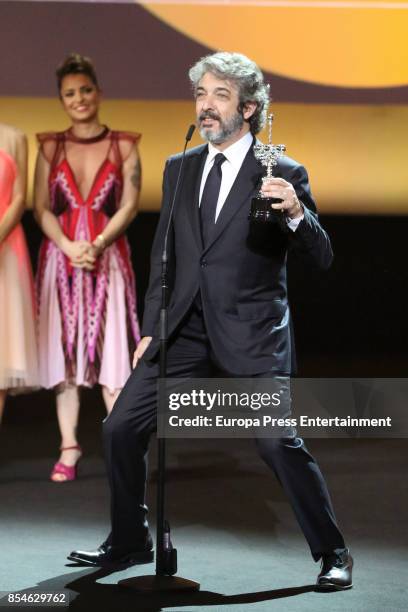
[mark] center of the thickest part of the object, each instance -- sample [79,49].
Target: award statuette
[268,155]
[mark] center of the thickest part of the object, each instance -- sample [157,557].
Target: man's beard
[226,128]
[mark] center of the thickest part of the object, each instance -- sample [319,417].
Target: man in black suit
[228,308]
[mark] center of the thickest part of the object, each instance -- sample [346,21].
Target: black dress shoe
[336,572]
[107,555]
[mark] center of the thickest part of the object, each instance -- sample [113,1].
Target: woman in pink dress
[18,351]
[87,186]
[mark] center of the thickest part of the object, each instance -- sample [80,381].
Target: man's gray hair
[245,74]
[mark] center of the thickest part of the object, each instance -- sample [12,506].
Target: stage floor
[233,528]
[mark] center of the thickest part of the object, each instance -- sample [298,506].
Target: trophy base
[262,212]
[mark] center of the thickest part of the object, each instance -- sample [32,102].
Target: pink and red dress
[18,344]
[88,325]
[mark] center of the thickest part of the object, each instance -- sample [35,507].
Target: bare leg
[3,394]
[67,414]
[110,398]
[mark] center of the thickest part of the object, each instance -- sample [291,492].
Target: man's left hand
[279,188]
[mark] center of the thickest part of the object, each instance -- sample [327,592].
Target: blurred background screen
[338,71]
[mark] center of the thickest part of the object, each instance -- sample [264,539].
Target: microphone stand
[166,556]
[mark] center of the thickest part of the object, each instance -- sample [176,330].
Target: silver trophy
[269,155]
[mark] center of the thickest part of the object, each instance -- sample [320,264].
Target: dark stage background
[349,321]
[244,547]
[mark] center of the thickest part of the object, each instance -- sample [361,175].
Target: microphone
[166,554]
[189,134]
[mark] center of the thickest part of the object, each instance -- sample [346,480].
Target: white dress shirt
[235,155]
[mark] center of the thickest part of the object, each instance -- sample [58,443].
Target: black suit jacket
[241,273]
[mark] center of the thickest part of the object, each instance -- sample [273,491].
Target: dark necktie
[209,198]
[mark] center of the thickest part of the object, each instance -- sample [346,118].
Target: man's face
[218,118]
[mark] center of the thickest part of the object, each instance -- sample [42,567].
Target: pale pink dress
[18,347]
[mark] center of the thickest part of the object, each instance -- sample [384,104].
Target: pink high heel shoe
[69,471]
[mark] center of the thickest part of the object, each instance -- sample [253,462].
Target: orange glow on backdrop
[346,43]
[354,168]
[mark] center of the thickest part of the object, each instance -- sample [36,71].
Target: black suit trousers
[128,428]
